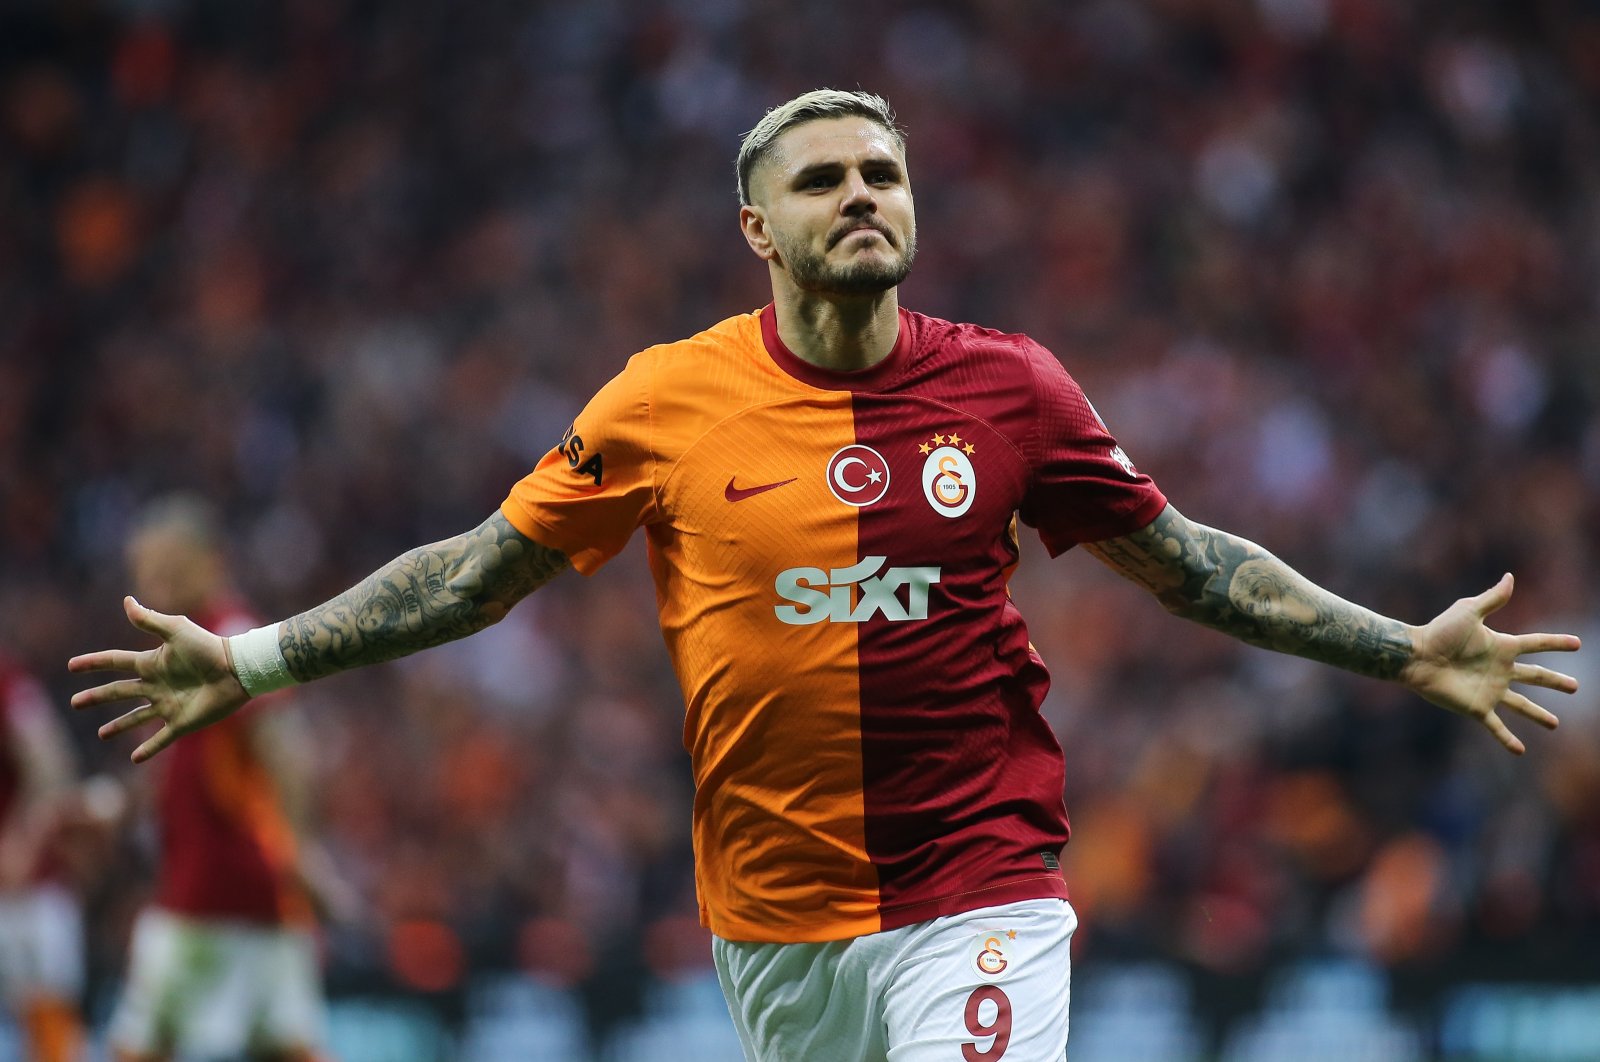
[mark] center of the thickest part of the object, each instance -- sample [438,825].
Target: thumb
[1494,598]
[149,620]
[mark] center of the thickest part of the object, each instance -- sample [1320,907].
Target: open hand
[1463,665]
[187,680]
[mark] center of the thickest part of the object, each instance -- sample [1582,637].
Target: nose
[858,195]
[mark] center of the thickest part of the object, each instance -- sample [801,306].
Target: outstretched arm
[425,597]
[429,596]
[1233,585]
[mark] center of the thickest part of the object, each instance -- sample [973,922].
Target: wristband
[259,662]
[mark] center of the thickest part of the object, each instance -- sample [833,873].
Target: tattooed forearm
[431,595]
[1233,585]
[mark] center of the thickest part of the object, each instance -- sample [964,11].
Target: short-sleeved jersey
[831,553]
[227,849]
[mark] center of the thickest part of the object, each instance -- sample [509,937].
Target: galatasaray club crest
[948,479]
[995,952]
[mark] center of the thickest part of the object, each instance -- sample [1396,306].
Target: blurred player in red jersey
[41,927]
[830,489]
[223,963]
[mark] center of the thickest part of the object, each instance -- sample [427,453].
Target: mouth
[860,227]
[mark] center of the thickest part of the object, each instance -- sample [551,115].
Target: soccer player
[223,963]
[829,488]
[41,923]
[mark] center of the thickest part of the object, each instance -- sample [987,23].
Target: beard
[812,272]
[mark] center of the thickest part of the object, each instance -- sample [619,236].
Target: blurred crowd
[1328,268]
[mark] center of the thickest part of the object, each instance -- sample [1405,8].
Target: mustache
[857,224]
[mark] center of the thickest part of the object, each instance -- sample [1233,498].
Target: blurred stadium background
[1327,267]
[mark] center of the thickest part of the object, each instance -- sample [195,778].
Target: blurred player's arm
[1234,586]
[281,742]
[46,773]
[425,597]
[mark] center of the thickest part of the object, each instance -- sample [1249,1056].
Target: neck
[839,333]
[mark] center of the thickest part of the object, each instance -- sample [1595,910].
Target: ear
[753,223]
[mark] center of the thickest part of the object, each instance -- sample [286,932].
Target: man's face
[171,573]
[834,200]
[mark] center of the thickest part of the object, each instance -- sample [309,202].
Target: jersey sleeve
[1082,487]
[588,494]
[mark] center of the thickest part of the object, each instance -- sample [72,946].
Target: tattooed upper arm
[1166,557]
[1235,586]
[427,596]
[500,565]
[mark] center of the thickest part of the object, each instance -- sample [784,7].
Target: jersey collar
[869,379]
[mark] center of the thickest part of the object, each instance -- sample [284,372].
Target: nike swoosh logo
[736,494]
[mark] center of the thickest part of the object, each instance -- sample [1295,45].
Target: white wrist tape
[259,662]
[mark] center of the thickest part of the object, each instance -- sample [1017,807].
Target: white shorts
[218,989]
[41,944]
[984,986]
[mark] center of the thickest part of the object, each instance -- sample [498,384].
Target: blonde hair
[818,103]
[184,512]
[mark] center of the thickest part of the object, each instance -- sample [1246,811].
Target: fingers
[1547,643]
[138,717]
[1494,598]
[106,660]
[1516,702]
[1534,675]
[158,741]
[145,619]
[1503,734]
[120,690]
[149,620]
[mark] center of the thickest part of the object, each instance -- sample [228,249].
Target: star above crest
[947,439]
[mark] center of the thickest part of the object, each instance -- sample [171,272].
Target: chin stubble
[811,272]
